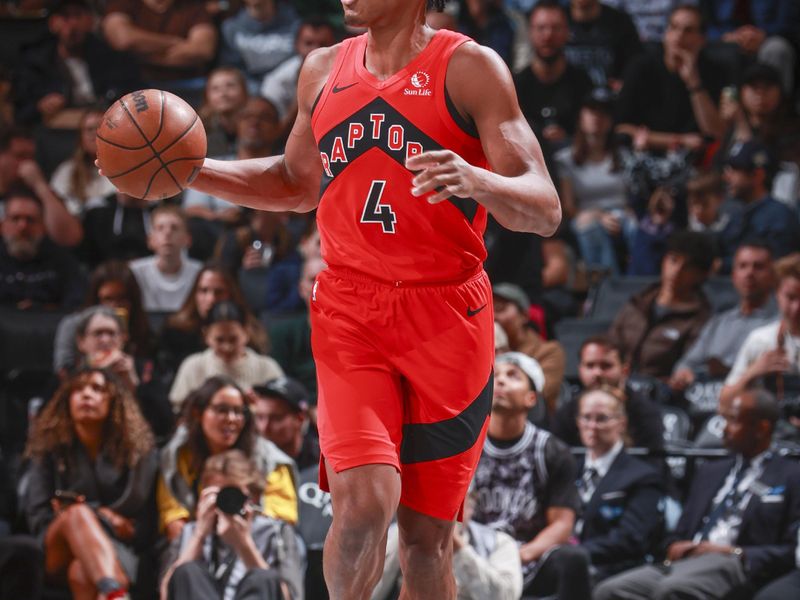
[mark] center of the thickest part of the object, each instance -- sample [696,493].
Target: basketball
[151,144]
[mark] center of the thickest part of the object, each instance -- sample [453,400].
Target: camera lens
[230,500]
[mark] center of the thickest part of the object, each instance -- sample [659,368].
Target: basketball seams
[139,122]
[155,152]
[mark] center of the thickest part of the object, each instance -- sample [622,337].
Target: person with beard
[748,174]
[667,101]
[550,89]
[34,272]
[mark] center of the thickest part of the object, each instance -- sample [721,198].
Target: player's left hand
[443,172]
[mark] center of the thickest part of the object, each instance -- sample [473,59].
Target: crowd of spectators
[158,391]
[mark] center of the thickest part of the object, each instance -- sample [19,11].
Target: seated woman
[77,180]
[111,284]
[216,418]
[101,337]
[92,478]
[593,186]
[225,333]
[261,554]
[182,334]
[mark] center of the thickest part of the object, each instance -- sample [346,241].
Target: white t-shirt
[759,341]
[97,188]
[596,185]
[160,292]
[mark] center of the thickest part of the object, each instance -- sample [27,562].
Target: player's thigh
[448,380]
[360,395]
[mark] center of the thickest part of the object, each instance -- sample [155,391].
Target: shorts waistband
[353,275]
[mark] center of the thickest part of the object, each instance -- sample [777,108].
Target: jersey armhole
[324,92]
[467,125]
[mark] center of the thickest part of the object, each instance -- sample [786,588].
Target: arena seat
[612,293]
[571,333]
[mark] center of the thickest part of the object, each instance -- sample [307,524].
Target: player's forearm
[527,203]
[260,183]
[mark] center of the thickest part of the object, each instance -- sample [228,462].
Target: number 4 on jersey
[375,212]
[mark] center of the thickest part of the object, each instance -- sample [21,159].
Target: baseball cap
[513,293]
[528,365]
[761,73]
[601,98]
[749,155]
[287,389]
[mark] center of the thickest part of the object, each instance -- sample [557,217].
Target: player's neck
[507,427]
[391,48]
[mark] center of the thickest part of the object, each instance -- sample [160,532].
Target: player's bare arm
[518,190]
[278,183]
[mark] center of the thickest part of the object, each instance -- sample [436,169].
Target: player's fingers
[435,183]
[428,159]
[426,175]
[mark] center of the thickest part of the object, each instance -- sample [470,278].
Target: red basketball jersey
[365,128]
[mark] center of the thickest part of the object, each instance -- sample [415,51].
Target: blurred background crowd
[157,388]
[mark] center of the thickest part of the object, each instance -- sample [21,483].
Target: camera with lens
[231,500]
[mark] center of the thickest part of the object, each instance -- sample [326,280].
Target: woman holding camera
[91,481]
[215,419]
[231,550]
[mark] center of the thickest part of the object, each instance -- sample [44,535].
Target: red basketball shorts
[405,379]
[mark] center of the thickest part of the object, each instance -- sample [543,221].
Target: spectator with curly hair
[92,477]
[215,419]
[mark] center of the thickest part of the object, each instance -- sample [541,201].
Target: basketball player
[405,138]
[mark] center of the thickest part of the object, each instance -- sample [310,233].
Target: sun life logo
[419,81]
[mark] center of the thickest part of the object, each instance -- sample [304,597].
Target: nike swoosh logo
[472,313]
[336,89]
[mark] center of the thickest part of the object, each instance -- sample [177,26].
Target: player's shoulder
[472,55]
[473,69]
[321,60]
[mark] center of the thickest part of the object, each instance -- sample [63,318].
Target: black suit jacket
[622,516]
[768,534]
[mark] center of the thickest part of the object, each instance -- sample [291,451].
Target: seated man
[280,410]
[748,175]
[70,70]
[739,523]
[174,40]
[713,353]
[525,485]
[550,88]
[770,354]
[619,493]
[602,363]
[657,325]
[18,168]
[668,101]
[34,272]
[511,310]
[166,278]
[602,40]
[259,38]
